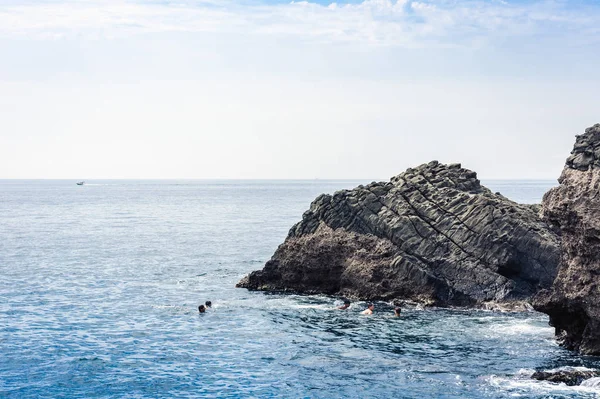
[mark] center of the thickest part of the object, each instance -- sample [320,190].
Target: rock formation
[569,376]
[432,234]
[573,303]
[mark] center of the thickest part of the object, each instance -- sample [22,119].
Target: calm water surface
[100,287]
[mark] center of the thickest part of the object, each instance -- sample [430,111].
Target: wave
[592,383]
[525,327]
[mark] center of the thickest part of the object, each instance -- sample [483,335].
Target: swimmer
[369,310]
[201,309]
[208,304]
[397,311]
[346,305]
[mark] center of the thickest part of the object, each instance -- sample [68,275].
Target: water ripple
[101,286]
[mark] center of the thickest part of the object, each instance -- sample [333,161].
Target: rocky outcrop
[573,303]
[570,376]
[432,234]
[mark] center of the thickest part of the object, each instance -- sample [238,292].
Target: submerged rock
[573,302]
[432,234]
[568,376]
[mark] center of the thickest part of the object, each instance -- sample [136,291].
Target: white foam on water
[525,373]
[314,306]
[592,383]
[569,368]
[526,328]
[520,328]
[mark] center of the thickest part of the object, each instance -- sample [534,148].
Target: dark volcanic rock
[573,303]
[570,377]
[586,151]
[431,234]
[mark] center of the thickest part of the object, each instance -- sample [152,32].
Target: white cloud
[384,22]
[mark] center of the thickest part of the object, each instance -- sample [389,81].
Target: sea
[100,286]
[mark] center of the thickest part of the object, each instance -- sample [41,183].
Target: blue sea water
[100,286]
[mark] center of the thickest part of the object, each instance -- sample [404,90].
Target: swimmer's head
[371,306]
[346,302]
[208,304]
[201,309]
[397,311]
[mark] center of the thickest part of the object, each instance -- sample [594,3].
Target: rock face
[432,234]
[573,303]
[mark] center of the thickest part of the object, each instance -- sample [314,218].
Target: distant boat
[80,183]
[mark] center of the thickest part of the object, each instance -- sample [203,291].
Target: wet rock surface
[569,377]
[573,207]
[432,234]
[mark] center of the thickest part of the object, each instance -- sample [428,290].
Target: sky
[261,89]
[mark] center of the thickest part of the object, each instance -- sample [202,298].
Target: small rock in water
[570,377]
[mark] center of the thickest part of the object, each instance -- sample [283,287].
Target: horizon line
[250,179]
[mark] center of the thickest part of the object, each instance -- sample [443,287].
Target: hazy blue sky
[273,89]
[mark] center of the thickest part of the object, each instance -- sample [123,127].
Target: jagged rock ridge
[573,303]
[432,234]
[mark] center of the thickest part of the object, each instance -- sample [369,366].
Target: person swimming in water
[397,311]
[201,309]
[208,304]
[369,310]
[346,305]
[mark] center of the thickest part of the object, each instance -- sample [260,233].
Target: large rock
[573,303]
[432,234]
